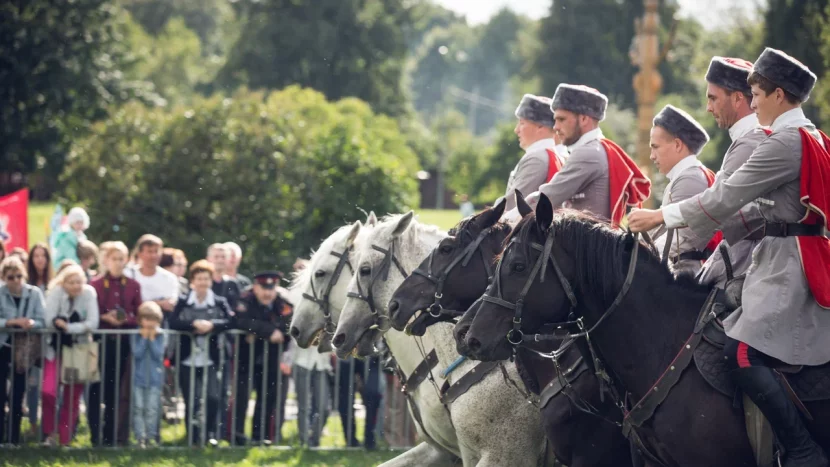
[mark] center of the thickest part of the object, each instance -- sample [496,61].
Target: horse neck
[417,244]
[408,351]
[540,369]
[640,340]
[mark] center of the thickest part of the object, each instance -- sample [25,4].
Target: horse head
[554,268]
[323,286]
[454,274]
[383,260]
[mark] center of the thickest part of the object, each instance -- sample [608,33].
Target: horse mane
[390,220]
[499,227]
[600,253]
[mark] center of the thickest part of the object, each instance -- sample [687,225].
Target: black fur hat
[682,126]
[536,109]
[581,100]
[786,72]
[730,73]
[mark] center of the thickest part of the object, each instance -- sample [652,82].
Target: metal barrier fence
[212,399]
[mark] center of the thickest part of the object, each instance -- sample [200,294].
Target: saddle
[803,383]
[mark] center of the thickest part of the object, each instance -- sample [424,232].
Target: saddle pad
[810,384]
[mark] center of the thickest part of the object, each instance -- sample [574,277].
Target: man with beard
[598,176]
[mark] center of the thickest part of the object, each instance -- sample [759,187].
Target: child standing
[148,355]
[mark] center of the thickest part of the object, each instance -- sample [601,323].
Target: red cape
[716,239]
[628,186]
[554,164]
[815,196]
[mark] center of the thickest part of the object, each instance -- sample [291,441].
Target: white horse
[440,447]
[495,424]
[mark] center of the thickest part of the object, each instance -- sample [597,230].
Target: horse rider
[786,293]
[676,140]
[543,156]
[728,97]
[598,176]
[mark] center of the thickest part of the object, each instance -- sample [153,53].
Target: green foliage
[62,67]
[499,160]
[339,47]
[276,173]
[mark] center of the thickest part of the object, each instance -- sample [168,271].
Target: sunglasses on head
[14,277]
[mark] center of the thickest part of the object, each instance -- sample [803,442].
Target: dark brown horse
[695,425]
[454,276]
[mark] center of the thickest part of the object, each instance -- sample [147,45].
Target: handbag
[26,347]
[79,363]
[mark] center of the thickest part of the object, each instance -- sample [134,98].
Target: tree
[356,48]
[275,173]
[61,67]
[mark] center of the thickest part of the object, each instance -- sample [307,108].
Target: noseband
[381,272]
[323,301]
[562,330]
[436,310]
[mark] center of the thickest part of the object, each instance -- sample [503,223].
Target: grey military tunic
[741,224]
[689,181]
[583,183]
[531,171]
[779,316]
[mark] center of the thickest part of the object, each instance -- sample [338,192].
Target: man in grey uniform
[728,100]
[785,296]
[543,156]
[597,176]
[676,139]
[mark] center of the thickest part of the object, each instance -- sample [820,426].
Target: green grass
[40,214]
[443,218]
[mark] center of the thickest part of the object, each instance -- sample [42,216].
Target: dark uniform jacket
[260,321]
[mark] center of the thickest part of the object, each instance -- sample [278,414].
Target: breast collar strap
[382,273]
[323,300]
[436,310]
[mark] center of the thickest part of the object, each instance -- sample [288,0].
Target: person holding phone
[118,299]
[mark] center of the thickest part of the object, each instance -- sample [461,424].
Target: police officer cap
[268,279]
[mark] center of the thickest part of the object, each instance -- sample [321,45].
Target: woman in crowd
[66,241]
[118,300]
[40,272]
[21,307]
[206,316]
[72,310]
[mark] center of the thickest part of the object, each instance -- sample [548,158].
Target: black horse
[638,317]
[463,264]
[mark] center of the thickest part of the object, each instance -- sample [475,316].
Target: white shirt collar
[209,299]
[793,118]
[743,126]
[592,135]
[546,143]
[685,163]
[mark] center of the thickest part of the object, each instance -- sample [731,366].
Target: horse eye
[365,270]
[445,249]
[319,273]
[518,267]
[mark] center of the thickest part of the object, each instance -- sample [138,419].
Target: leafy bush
[275,173]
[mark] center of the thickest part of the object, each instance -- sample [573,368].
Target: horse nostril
[295,333]
[393,306]
[473,344]
[339,339]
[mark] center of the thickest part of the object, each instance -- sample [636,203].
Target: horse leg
[424,454]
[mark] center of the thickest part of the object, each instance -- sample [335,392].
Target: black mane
[499,227]
[600,254]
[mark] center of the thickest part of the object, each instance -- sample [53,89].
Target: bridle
[381,272]
[323,300]
[436,310]
[562,330]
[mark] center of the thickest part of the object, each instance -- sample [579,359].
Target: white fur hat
[78,214]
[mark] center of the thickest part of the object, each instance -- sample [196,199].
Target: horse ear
[403,224]
[372,220]
[491,216]
[521,204]
[544,212]
[353,234]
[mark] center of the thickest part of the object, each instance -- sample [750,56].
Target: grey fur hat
[729,73]
[581,100]
[536,109]
[682,126]
[787,72]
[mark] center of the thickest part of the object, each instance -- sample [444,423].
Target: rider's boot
[761,385]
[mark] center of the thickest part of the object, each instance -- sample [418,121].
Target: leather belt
[782,229]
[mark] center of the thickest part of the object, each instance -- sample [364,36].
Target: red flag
[14,219]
